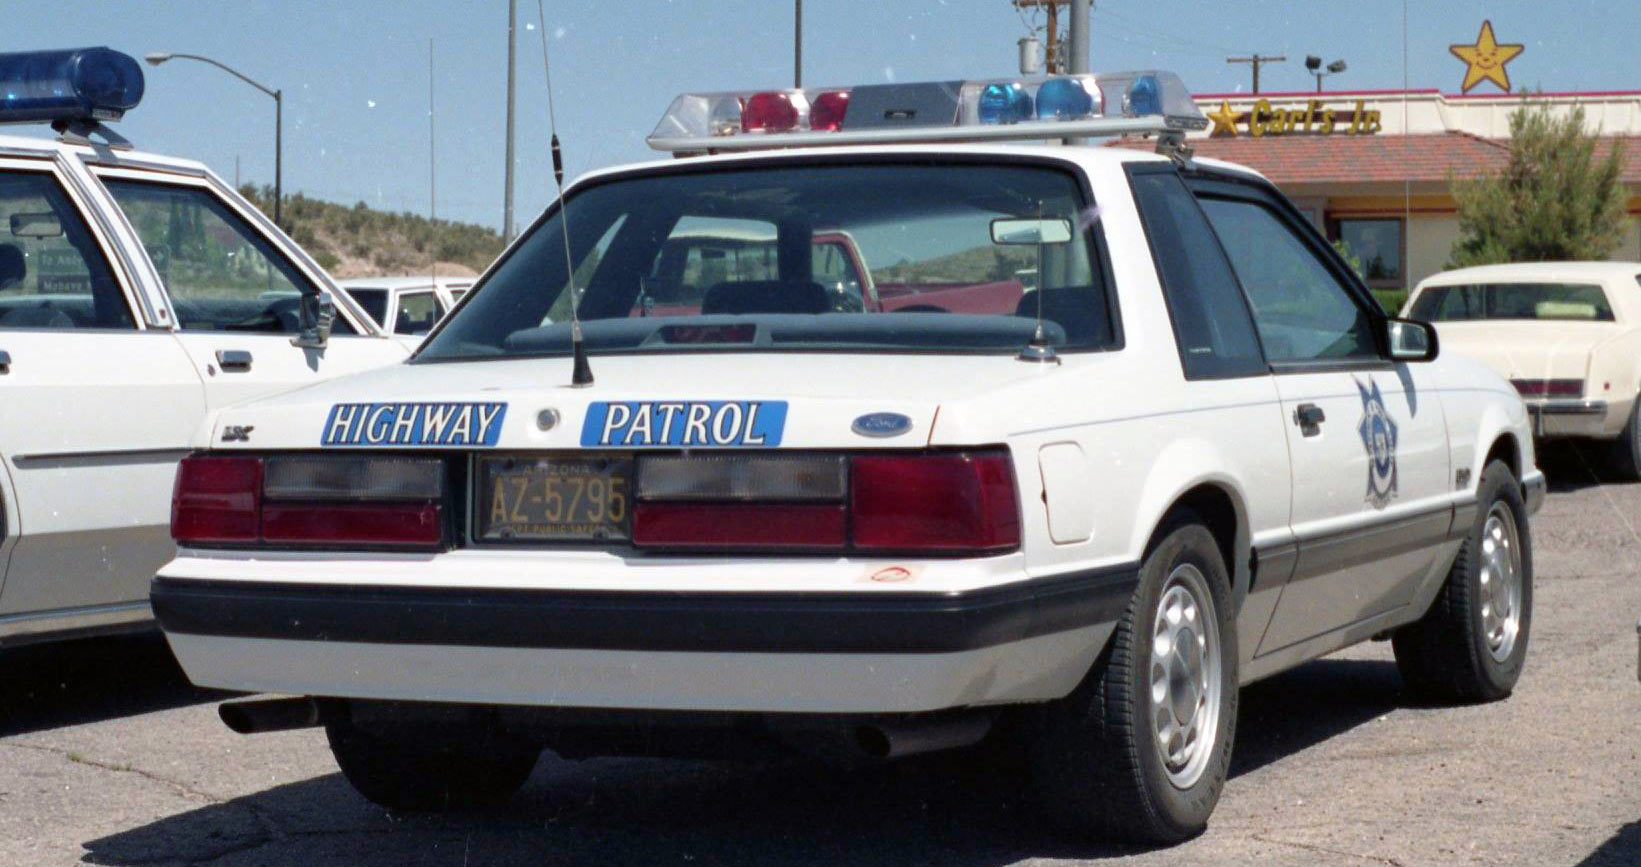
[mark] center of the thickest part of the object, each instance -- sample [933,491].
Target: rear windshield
[1559,301]
[844,257]
[374,301]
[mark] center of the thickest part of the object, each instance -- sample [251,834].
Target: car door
[235,289]
[1367,438]
[95,411]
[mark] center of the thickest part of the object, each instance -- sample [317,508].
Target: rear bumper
[1572,417]
[813,652]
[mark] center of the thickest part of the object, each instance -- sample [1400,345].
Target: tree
[1554,201]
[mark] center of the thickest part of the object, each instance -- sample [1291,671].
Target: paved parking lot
[107,756]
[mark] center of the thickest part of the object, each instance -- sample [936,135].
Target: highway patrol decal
[1378,432]
[413,424]
[685,423]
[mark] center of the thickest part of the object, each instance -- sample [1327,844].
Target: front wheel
[414,772]
[1140,750]
[1471,644]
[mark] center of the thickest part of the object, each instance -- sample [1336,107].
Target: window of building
[1377,245]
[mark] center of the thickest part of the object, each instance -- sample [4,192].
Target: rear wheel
[416,771]
[1625,455]
[1472,643]
[1141,749]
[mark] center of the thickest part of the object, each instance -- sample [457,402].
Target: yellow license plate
[553,499]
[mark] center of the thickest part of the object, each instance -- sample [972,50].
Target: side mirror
[1411,341]
[317,312]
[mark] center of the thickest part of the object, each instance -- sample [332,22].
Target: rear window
[1554,301]
[869,257]
[374,301]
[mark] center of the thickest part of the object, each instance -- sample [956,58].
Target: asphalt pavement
[108,756]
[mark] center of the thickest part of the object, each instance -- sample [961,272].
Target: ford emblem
[881,424]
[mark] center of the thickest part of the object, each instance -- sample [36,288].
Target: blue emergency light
[67,87]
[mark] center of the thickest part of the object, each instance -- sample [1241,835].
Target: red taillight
[934,503]
[395,524]
[769,112]
[217,499]
[826,112]
[809,527]
[1549,387]
[330,501]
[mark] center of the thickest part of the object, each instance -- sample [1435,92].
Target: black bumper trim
[799,622]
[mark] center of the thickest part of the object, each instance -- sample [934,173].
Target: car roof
[1095,154]
[1531,272]
[100,154]
[401,284]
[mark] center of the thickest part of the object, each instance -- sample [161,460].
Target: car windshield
[1557,301]
[886,257]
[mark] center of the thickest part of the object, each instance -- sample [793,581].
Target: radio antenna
[581,375]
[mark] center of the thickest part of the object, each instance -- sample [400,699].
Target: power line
[1257,61]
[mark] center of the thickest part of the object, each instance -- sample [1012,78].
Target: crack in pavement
[1324,850]
[271,832]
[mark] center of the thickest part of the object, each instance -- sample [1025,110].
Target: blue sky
[355,73]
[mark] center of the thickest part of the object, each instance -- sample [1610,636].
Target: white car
[1566,334]
[1192,455]
[137,293]
[407,306]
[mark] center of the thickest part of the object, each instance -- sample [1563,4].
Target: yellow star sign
[1486,59]
[1224,119]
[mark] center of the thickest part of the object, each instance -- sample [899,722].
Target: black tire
[1094,758]
[427,772]
[1445,656]
[1624,455]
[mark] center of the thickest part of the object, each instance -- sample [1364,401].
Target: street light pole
[155,59]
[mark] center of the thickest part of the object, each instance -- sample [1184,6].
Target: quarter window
[52,275]
[1216,338]
[1304,313]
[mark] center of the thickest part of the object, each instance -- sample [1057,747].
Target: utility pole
[1055,61]
[432,174]
[507,194]
[797,43]
[1257,61]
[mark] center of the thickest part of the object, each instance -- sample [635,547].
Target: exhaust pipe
[257,715]
[891,740]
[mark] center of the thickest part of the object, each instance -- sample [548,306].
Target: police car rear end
[640,497]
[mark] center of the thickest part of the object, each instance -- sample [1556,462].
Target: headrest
[1080,310]
[766,296]
[12,266]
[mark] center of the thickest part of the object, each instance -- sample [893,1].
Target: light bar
[1052,107]
[77,84]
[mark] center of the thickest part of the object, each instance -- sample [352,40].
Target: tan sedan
[1566,334]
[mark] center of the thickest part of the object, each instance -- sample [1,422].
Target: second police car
[1183,451]
[137,292]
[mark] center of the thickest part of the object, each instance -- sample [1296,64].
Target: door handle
[234,360]
[1309,417]
[5,362]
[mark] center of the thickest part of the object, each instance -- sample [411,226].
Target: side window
[220,273]
[1303,312]
[52,275]
[417,313]
[1211,323]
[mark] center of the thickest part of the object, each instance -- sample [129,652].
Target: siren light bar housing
[77,87]
[1052,107]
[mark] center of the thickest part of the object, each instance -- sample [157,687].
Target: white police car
[137,292]
[1137,438]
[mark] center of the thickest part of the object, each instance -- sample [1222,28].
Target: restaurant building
[1374,168]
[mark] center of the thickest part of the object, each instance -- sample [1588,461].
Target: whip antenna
[581,375]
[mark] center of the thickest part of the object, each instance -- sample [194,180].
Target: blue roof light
[1064,99]
[70,85]
[1004,103]
[1144,97]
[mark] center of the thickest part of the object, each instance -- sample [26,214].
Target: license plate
[553,499]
